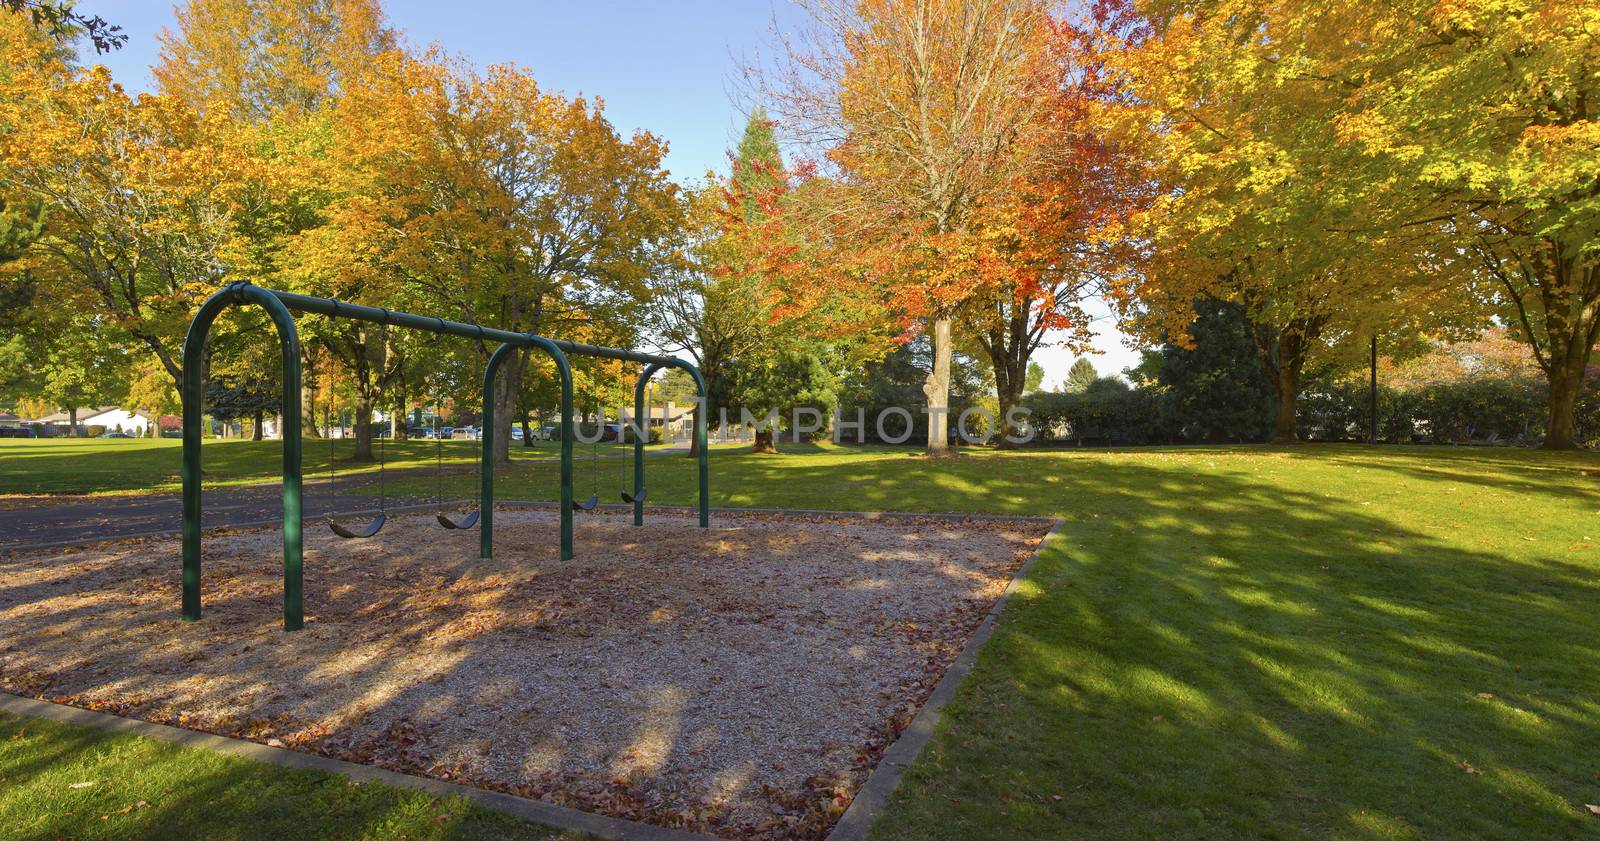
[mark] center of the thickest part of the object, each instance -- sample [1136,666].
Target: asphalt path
[32,520]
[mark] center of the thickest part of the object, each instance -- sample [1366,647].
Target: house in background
[112,418]
[8,420]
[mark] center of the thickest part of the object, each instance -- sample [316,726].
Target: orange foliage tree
[924,113]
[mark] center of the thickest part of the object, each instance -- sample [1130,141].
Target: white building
[114,418]
[110,417]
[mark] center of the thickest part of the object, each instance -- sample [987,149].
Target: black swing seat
[369,530]
[467,522]
[586,505]
[637,496]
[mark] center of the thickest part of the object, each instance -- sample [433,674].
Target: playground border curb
[548,814]
[881,784]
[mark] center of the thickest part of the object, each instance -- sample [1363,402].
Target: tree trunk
[363,425]
[937,389]
[255,432]
[1566,384]
[1284,428]
[308,407]
[764,441]
[506,387]
[527,432]
[1283,356]
[1287,358]
[72,421]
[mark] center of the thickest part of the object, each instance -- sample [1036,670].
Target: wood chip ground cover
[741,680]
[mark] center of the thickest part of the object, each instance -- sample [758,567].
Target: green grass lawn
[142,788]
[118,465]
[1241,642]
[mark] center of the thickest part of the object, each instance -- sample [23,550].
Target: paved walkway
[58,519]
[54,519]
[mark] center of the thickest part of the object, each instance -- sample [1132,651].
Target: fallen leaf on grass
[1465,766]
[83,784]
[125,810]
[1593,809]
[1487,696]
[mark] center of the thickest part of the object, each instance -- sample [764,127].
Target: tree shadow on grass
[148,789]
[1208,657]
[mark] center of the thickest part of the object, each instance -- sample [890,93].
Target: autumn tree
[480,195]
[925,110]
[716,305]
[1317,146]
[1261,204]
[262,61]
[273,72]
[137,195]
[1058,232]
[1483,116]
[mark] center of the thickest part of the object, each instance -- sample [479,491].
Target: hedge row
[1483,411]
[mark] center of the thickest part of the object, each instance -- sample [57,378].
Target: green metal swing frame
[281,306]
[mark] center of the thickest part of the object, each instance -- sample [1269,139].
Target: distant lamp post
[1372,396]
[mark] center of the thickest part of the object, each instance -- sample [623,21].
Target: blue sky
[666,66]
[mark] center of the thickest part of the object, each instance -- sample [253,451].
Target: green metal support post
[194,388]
[486,490]
[639,439]
[700,426]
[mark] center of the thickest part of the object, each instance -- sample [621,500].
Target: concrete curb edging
[874,794]
[538,811]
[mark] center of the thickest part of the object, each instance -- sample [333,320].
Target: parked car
[116,435]
[447,432]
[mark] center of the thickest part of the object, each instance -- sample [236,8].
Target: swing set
[280,306]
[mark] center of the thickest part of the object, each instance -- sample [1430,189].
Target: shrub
[1107,412]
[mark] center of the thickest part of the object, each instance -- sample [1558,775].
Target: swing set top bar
[279,306]
[380,315]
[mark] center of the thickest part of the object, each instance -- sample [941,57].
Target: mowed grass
[1310,641]
[64,781]
[1234,642]
[140,465]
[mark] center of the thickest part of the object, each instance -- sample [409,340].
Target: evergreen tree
[1080,376]
[1217,390]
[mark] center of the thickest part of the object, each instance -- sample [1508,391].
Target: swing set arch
[280,307]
